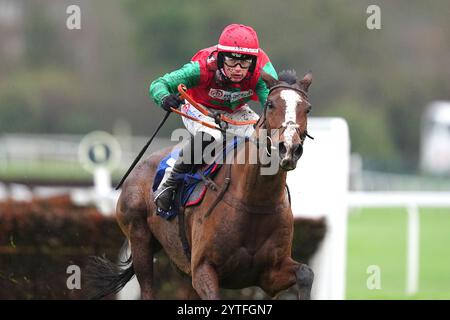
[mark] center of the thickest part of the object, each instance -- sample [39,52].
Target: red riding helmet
[239,41]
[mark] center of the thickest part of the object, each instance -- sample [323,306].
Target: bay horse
[245,241]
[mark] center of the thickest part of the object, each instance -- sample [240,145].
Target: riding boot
[165,194]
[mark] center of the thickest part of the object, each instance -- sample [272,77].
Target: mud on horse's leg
[205,281]
[305,278]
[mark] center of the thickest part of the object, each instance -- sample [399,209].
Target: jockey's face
[236,73]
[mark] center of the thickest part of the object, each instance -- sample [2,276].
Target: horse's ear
[268,79]
[305,82]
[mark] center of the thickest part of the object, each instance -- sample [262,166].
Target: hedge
[41,238]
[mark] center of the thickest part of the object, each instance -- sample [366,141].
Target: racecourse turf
[377,238]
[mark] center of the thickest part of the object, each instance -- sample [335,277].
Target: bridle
[236,203]
[284,125]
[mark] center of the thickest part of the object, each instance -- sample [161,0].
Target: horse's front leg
[205,281]
[287,274]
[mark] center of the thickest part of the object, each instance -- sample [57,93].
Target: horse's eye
[309,109]
[269,104]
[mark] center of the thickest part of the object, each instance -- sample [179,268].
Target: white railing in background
[32,151]
[368,180]
[411,201]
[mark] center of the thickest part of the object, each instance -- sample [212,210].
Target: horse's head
[286,109]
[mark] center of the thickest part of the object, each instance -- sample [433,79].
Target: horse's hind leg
[142,251]
[132,217]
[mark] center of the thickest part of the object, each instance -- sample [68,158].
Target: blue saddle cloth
[192,188]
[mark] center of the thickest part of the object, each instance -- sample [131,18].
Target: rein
[218,117]
[222,194]
[237,203]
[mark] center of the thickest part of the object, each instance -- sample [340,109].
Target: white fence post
[412,264]
[103,190]
[319,188]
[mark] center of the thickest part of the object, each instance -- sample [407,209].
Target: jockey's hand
[172,100]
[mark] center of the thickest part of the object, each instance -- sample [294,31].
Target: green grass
[435,254]
[378,237]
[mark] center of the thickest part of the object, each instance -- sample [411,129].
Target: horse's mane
[288,76]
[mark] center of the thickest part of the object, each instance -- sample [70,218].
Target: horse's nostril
[298,151]
[282,149]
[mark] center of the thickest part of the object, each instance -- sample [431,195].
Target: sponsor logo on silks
[229,96]
[186,109]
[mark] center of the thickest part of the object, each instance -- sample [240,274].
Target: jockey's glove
[172,100]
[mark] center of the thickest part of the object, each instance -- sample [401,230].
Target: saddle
[192,186]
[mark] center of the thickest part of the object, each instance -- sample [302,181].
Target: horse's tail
[104,277]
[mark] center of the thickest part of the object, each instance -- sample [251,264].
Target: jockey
[224,78]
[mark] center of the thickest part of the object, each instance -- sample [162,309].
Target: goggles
[233,62]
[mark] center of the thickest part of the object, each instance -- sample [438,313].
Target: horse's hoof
[305,278]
